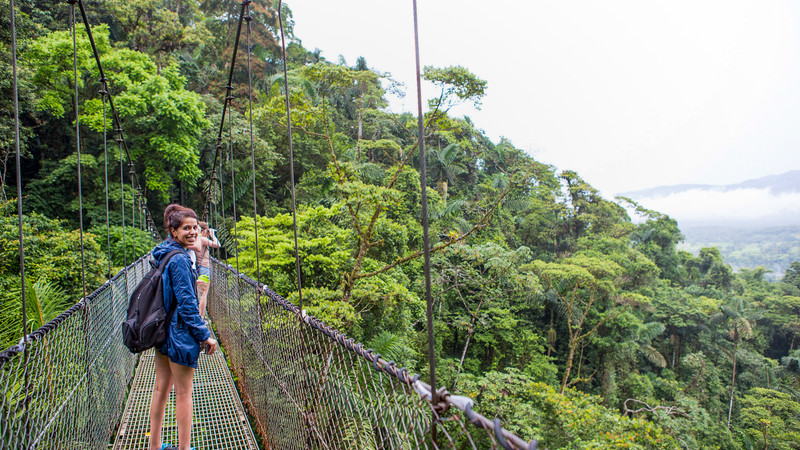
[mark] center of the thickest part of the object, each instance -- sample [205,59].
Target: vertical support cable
[26,358]
[122,200]
[425,241]
[298,268]
[291,159]
[233,183]
[104,92]
[222,200]
[248,18]
[86,309]
[140,196]
[133,208]
[78,140]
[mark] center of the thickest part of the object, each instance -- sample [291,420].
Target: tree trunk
[358,143]
[733,381]
[572,347]
[442,188]
[463,356]
[676,341]
[551,335]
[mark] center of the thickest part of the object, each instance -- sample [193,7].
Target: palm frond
[371,172]
[650,330]
[654,356]
[44,301]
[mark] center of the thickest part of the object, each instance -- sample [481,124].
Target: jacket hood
[165,247]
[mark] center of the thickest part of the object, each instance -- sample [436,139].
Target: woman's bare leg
[158,403]
[183,376]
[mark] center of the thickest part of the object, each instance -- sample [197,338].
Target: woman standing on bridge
[202,244]
[176,360]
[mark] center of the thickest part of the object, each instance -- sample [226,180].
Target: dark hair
[174,215]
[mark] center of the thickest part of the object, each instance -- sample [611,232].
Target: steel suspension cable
[233,187]
[122,198]
[229,89]
[123,144]
[425,237]
[291,159]
[248,18]
[78,140]
[84,300]
[298,267]
[105,158]
[26,355]
[133,207]
[222,200]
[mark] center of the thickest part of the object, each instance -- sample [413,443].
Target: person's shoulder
[180,258]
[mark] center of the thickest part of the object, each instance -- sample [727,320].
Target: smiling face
[185,234]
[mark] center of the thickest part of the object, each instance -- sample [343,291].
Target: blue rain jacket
[186,329]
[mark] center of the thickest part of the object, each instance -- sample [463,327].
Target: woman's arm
[198,245]
[212,241]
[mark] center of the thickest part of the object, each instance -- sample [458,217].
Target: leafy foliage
[552,307]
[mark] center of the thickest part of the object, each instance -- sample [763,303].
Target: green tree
[771,418]
[739,319]
[444,166]
[52,252]
[456,84]
[159,28]
[568,420]
[581,289]
[162,119]
[44,301]
[490,301]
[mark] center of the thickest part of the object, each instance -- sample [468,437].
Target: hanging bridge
[283,379]
[303,384]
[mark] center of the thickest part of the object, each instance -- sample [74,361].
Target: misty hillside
[753,223]
[747,248]
[777,184]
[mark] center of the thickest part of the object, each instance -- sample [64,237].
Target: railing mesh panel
[305,389]
[309,386]
[306,384]
[66,388]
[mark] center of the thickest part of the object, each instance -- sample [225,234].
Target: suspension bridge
[283,380]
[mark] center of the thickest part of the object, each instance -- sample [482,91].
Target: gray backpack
[147,321]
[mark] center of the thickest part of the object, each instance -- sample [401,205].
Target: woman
[176,360]
[205,241]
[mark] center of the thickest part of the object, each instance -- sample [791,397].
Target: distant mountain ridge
[778,184]
[758,227]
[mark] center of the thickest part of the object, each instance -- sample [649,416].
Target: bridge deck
[219,419]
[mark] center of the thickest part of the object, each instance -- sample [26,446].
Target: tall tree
[738,318]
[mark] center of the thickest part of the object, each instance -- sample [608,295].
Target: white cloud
[630,93]
[717,206]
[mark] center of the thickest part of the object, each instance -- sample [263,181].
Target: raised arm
[212,241]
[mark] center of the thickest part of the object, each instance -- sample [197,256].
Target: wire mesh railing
[65,388]
[309,386]
[306,384]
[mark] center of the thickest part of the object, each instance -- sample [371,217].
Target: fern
[44,301]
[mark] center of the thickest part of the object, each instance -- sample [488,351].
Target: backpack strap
[161,268]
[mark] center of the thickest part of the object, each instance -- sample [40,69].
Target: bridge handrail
[66,387]
[499,435]
[42,331]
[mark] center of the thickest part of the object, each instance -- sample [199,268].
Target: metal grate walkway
[219,420]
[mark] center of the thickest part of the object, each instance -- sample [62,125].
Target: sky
[630,94]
